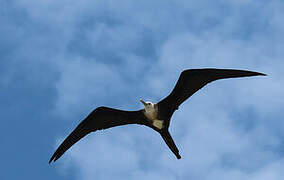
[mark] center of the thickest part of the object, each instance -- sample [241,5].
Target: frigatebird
[156,116]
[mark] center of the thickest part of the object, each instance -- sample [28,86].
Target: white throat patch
[151,112]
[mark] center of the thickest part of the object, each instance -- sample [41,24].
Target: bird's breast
[152,116]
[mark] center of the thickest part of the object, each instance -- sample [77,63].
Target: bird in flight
[155,115]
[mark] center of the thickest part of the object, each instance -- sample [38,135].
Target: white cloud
[86,83]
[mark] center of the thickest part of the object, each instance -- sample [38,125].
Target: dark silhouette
[156,116]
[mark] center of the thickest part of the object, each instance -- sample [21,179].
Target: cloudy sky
[61,59]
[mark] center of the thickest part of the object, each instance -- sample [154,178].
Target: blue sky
[61,59]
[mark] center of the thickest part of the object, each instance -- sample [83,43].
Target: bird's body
[156,116]
[151,113]
[151,110]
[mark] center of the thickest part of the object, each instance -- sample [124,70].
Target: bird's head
[148,105]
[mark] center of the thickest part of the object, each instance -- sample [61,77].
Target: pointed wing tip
[178,157]
[253,73]
[50,161]
[261,74]
[53,158]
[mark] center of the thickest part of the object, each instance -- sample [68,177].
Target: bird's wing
[192,80]
[100,118]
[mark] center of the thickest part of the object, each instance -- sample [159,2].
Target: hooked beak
[143,102]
